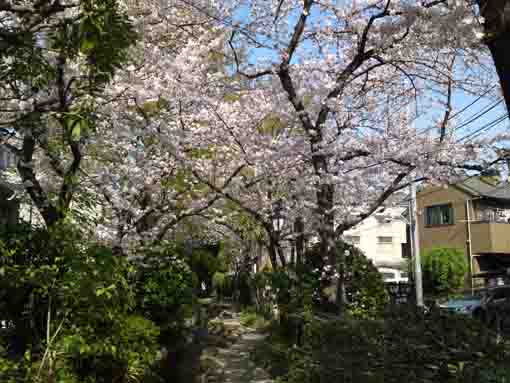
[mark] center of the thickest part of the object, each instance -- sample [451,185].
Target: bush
[250,318]
[403,346]
[205,261]
[84,292]
[125,354]
[365,291]
[444,270]
[164,284]
[222,284]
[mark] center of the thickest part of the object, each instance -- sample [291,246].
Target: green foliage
[404,346]
[272,125]
[365,291]
[366,294]
[70,307]
[165,284]
[444,270]
[103,34]
[97,30]
[126,352]
[222,284]
[205,261]
[250,318]
[219,280]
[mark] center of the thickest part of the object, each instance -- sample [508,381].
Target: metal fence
[400,292]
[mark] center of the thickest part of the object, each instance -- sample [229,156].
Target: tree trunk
[500,50]
[497,38]
[325,202]
[49,212]
[299,230]
[340,286]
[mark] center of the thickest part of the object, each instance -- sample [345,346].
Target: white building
[381,237]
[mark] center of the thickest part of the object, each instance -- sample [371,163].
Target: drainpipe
[468,246]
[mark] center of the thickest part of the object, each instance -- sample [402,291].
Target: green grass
[250,318]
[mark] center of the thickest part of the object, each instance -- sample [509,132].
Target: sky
[474,121]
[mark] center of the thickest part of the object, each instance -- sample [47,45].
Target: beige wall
[490,237]
[446,235]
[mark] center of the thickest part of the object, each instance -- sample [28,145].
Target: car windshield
[388,275]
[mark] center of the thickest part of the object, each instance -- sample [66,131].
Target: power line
[471,104]
[463,109]
[480,114]
[485,127]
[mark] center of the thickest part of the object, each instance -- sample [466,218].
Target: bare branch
[448,110]
[249,76]
[395,185]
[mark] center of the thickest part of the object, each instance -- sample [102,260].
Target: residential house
[382,237]
[473,215]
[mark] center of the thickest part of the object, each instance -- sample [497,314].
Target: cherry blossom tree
[55,60]
[317,111]
[347,90]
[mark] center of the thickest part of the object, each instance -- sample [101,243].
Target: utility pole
[415,240]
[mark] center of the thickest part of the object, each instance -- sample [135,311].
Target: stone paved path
[234,362]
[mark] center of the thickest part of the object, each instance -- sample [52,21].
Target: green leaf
[87,45]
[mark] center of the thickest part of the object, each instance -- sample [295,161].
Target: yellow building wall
[455,235]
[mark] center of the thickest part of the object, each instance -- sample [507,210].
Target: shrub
[404,346]
[365,291]
[82,292]
[251,318]
[444,270]
[164,284]
[205,261]
[123,355]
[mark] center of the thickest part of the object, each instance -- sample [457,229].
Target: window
[439,215]
[385,240]
[353,239]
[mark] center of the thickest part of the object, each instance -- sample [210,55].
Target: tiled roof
[479,188]
[475,186]
[501,192]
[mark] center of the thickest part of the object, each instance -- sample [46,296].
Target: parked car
[468,305]
[482,305]
[393,275]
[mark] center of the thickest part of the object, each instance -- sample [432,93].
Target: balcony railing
[493,215]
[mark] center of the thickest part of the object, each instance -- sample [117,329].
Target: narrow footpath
[230,362]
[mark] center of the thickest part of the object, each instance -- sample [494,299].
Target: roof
[477,187]
[500,192]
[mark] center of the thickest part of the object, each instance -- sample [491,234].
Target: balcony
[490,237]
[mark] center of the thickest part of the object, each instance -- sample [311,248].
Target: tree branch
[395,185]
